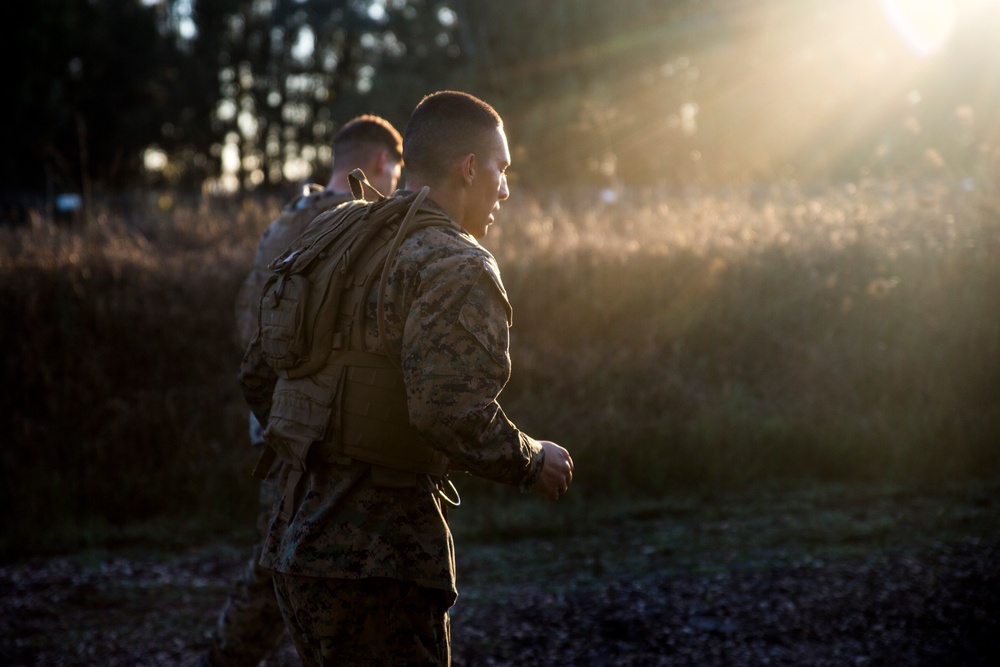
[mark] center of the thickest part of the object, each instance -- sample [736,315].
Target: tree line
[111,96]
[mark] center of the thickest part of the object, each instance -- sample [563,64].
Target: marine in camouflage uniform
[365,570]
[250,625]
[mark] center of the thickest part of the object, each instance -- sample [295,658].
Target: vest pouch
[301,412]
[375,425]
[283,340]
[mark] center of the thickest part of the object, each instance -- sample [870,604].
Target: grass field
[706,341]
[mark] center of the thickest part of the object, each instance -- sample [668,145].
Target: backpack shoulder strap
[405,227]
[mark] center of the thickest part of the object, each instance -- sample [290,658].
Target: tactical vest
[334,401]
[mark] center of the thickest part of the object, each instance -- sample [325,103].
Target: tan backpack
[294,218]
[301,316]
[311,332]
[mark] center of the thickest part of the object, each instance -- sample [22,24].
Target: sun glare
[923,25]
[806,85]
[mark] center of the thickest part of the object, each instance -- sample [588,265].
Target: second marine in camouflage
[250,626]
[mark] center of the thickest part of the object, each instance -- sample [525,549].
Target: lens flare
[924,25]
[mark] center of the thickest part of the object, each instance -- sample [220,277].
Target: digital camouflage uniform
[447,316]
[250,625]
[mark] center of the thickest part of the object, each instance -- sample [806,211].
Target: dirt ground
[894,580]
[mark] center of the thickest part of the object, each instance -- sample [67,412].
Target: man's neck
[446,198]
[339,183]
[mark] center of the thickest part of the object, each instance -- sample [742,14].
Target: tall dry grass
[715,339]
[731,338]
[120,402]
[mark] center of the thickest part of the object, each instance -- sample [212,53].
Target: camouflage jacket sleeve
[451,318]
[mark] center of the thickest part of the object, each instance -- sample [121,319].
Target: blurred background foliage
[112,96]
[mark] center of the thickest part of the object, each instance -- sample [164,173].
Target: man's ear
[469,166]
[381,160]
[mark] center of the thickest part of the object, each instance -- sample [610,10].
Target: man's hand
[557,472]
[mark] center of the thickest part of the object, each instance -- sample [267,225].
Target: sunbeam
[924,25]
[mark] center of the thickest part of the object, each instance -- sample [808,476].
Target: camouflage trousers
[365,622]
[250,626]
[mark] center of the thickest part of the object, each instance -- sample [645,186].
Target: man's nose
[504,190]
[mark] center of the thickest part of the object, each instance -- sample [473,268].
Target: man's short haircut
[366,133]
[446,125]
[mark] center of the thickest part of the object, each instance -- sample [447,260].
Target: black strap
[358,180]
[264,463]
